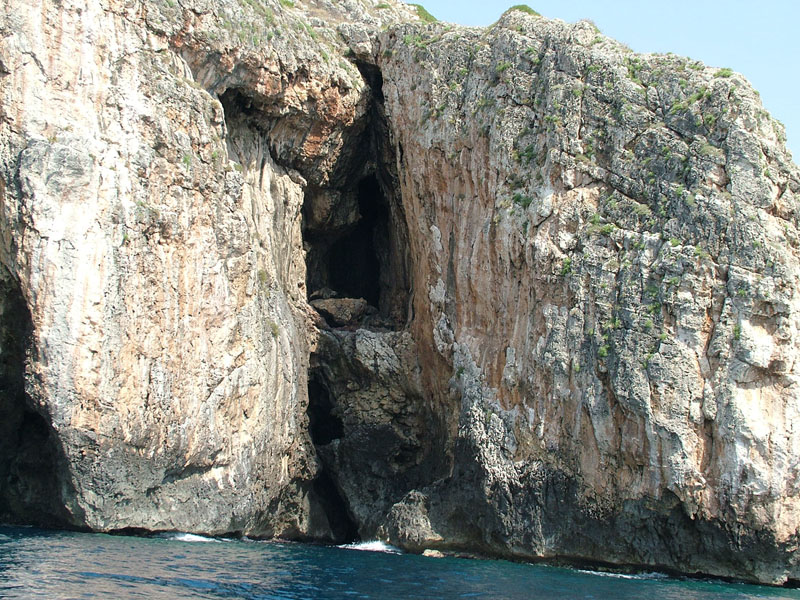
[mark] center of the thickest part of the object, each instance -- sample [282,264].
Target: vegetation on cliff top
[424,14]
[524,8]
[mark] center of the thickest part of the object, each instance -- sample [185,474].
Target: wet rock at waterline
[557,285]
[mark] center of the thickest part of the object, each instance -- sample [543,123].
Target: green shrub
[712,151]
[678,106]
[503,66]
[528,154]
[726,72]
[423,14]
[525,9]
[264,11]
[522,200]
[703,92]
[602,352]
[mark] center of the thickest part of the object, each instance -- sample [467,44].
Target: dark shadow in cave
[324,426]
[342,526]
[235,106]
[354,260]
[30,456]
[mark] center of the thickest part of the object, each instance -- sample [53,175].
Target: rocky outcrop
[556,285]
[611,273]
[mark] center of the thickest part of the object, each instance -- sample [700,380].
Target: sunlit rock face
[324,271]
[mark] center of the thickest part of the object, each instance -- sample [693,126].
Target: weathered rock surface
[342,311]
[584,261]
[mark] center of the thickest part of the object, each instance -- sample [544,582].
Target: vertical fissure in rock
[254,130]
[355,232]
[370,452]
[358,270]
[30,458]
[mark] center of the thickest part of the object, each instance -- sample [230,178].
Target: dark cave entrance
[325,427]
[30,488]
[354,260]
[358,249]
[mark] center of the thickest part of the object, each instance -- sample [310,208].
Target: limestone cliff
[322,270]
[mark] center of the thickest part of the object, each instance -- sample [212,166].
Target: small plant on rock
[525,9]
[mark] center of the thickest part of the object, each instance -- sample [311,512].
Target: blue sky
[760,39]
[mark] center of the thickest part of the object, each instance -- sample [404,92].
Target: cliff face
[611,275]
[578,273]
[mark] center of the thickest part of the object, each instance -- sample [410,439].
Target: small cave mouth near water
[30,456]
[325,427]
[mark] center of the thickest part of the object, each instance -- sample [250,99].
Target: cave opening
[30,458]
[358,249]
[343,528]
[354,260]
[324,425]
[355,229]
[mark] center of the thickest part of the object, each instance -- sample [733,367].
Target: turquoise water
[48,564]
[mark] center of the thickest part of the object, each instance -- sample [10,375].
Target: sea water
[57,564]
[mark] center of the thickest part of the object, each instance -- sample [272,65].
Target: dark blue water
[46,564]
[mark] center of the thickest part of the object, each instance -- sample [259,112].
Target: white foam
[372,546]
[639,576]
[188,537]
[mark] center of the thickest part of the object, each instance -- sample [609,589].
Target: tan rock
[342,311]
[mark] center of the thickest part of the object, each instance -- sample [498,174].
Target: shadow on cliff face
[31,462]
